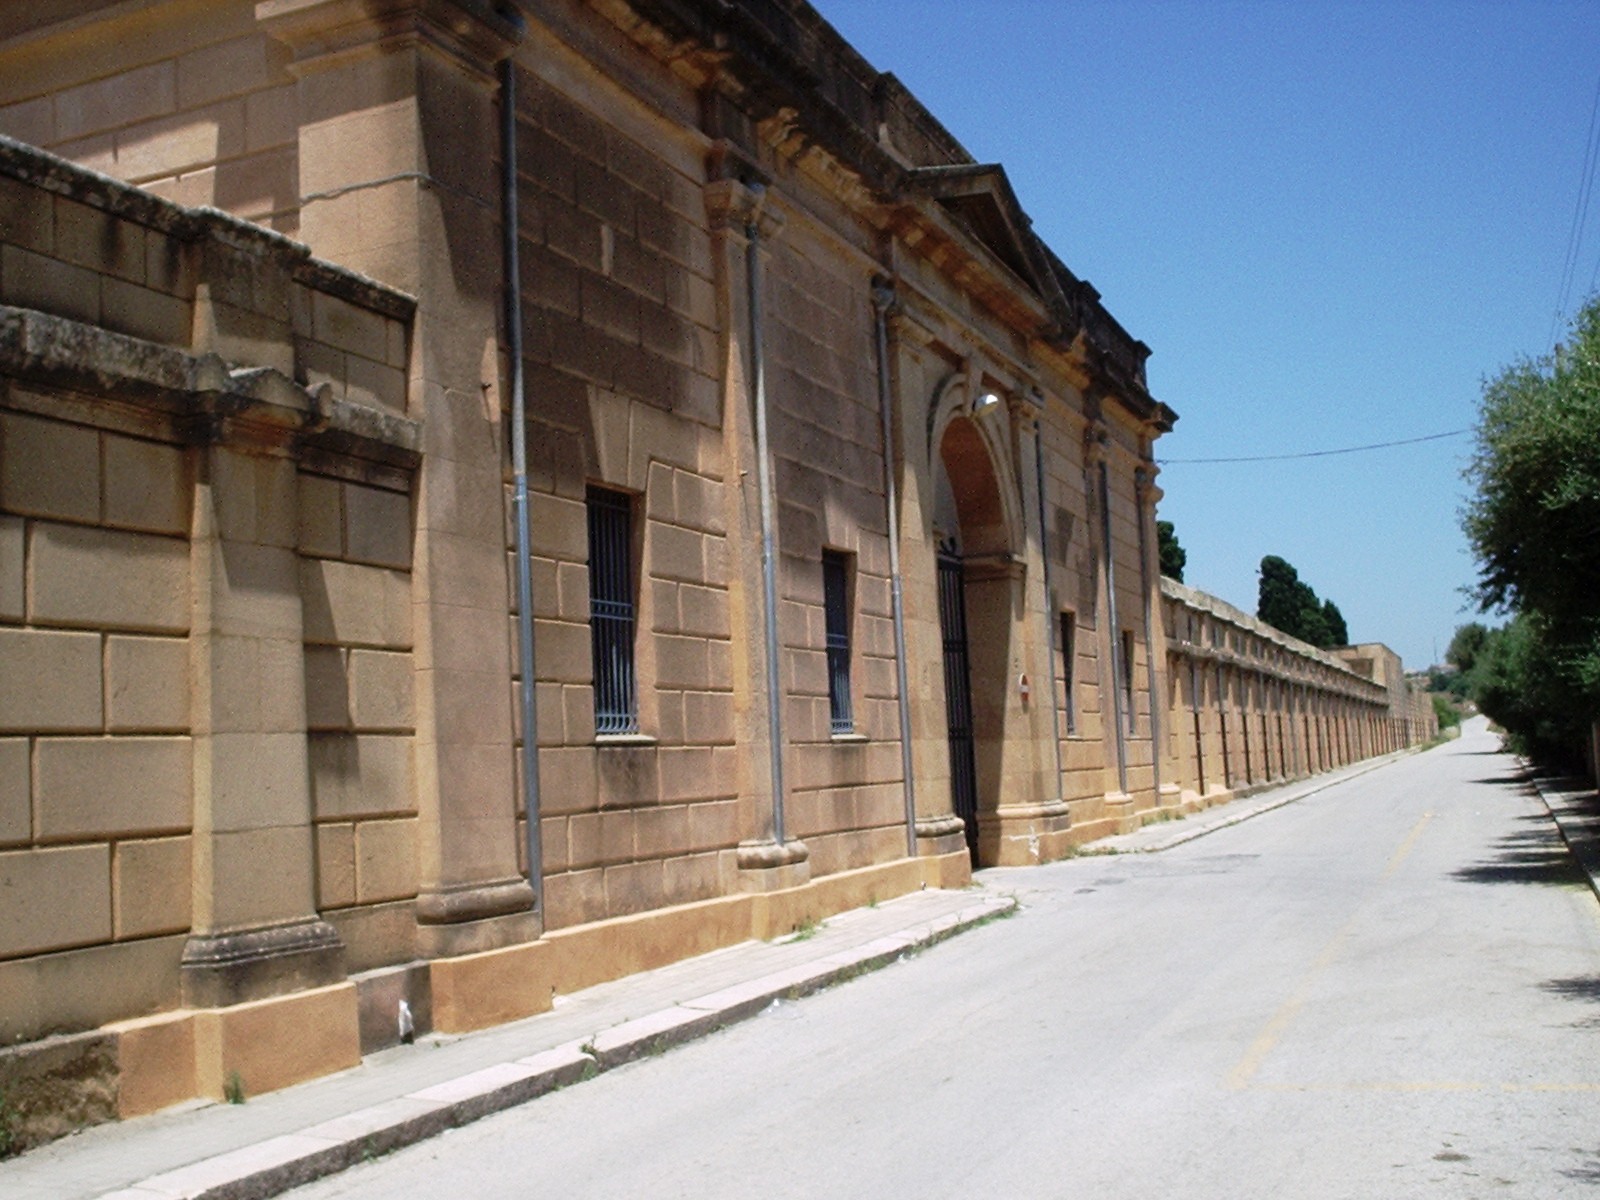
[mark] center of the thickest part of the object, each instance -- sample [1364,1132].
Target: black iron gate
[958,695]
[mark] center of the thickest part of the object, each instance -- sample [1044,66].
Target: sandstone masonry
[840,495]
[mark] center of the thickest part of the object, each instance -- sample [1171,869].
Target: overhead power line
[1580,218]
[1432,437]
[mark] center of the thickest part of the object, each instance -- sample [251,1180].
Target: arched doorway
[978,577]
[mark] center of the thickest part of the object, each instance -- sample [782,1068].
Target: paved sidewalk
[207,1151]
[1163,835]
[1575,807]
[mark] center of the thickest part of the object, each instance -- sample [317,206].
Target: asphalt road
[1389,989]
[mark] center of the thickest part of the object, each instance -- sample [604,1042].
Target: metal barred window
[611,610]
[836,610]
[1069,651]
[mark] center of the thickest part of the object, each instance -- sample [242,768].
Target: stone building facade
[494,497]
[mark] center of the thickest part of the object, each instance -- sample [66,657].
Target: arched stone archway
[977,532]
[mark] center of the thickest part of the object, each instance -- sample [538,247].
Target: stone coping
[31,165]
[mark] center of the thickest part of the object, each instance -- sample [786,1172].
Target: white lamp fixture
[985,403]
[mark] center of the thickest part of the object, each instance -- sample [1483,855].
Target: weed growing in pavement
[233,1088]
[1089,851]
[806,930]
[10,1138]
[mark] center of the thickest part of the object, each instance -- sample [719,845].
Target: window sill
[624,739]
[848,739]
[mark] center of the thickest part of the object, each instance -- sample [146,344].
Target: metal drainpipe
[1150,653]
[1199,734]
[882,302]
[769,566]
[519,472]
[1049,605]
[1117,666]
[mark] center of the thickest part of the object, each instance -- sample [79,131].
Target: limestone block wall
[1251,707]
[1070,544]
[189,100]
[355,589]
[94,712]
[148,355]
[1125,646]
[623,374]
[845,791]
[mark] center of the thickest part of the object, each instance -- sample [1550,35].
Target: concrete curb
[1236,818]
[1573,807]
[278,1164]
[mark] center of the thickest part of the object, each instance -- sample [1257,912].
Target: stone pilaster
[741,222]
[256,932]
[940,834]
[397,159]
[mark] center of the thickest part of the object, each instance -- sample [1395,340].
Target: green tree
[1522,682]
[1287,602]
[1312,623]
[1173,556]
[1278,602]
[1533,520]
[1447,713]
[1338,631]
[1465,646]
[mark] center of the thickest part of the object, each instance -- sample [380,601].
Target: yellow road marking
[1245,1069]
[1405,846]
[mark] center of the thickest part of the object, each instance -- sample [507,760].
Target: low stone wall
[1250,706]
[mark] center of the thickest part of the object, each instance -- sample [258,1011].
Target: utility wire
[1580,217]
[1432,437]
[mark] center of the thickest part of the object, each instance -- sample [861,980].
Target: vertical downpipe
[519,471]
[1199,735]
[882,302]
[1150,645]
[1049,602]
[1117,665]
[769,565]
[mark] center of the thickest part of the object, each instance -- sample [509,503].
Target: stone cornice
[201,397]
[780,63]
[477,34]
[1221,610]
[46,171]
[733,206]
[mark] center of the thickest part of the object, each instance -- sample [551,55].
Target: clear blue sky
[1329,221]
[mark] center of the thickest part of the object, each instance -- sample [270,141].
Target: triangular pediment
[979,197]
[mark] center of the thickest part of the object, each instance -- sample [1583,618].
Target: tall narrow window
[611,610]
[1069,655]
[836,611]
[1127,680]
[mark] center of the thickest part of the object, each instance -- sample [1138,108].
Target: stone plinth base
[466,920]
[475,991]
[941,836]
[950,870]
[269,1044]
[225,969]
[768,866]
[1024,834]
[156,1063]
